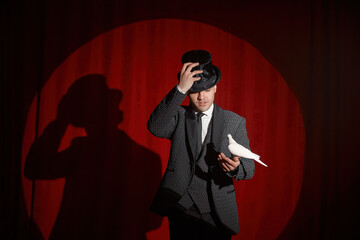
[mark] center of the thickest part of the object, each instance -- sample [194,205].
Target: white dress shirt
[205,120]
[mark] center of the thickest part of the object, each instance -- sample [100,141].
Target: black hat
[211,74]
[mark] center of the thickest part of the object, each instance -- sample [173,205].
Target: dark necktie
[198,133]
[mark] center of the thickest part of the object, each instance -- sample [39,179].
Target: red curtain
[80,81]
[112,176]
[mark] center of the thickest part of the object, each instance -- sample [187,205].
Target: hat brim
[204,85]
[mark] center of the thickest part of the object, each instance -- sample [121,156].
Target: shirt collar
[208,112]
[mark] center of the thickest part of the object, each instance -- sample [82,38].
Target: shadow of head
[90,104]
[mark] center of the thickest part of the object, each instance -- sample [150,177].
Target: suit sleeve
[246,169]
[163,119]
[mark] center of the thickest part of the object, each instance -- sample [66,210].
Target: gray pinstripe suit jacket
[171,120]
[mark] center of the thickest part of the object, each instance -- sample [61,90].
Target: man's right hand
[187,78]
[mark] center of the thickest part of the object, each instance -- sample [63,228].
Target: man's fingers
[223,163]
[187,78]
[186,71]
[228,163]
[223,157]
[231,163]
[187,75]
[185,67]
[234,159]
[224,167]
[191,65]
[188,66]
[196,72]
[227,166]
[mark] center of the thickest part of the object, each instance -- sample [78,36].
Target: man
[197,192]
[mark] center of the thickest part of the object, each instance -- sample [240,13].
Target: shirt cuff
[179,89]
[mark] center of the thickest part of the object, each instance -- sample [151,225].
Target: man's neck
[207,112]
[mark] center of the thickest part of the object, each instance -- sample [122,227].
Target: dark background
[313,44]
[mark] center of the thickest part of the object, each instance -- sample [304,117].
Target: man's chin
[203,108]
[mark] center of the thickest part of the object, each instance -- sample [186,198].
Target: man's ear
[215,88]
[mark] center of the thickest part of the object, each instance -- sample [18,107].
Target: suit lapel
[190,123]
[218,128]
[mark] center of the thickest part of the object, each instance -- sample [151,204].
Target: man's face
[201,101]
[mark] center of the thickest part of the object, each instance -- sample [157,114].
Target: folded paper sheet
[239,150]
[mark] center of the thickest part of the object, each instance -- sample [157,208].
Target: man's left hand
[228,164]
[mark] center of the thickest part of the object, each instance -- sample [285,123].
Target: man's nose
[201,95]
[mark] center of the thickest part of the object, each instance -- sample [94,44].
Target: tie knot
[200,114]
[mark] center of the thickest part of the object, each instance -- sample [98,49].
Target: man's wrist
[180,90]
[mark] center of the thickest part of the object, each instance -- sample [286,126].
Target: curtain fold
[100,69]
